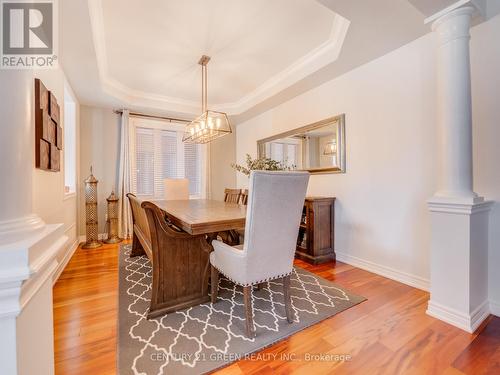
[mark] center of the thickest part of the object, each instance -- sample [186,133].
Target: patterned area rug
[209,336]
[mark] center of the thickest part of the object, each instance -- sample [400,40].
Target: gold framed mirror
[316,148]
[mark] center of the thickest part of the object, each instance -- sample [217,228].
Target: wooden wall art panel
[48,131]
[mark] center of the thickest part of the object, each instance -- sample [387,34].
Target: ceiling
[239,34]
[120,53]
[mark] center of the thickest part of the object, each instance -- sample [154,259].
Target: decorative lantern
[112,222]
[91,212]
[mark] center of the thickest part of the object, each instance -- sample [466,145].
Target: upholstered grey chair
[275,205]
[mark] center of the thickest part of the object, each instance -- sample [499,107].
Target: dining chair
[176,189]
[232,195]
[244,197]
[231,237]
[141,238]
[243,201]
[275,204]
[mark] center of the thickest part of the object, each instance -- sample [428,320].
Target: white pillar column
[459,217]
[27,245]
[455,105]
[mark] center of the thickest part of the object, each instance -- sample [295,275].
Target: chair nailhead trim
[254,282]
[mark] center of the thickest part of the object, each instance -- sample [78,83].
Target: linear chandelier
[209,125]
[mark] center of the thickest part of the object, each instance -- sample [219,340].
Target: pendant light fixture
[210,124]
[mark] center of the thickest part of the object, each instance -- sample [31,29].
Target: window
[192,168]
[285,153]
[145,161]
[69,145]
[160,154]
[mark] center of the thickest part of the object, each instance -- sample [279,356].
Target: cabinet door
[323,228]
[302,240]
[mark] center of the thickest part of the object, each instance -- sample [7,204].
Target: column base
[447,197]
[26,271]
[19,228]
[457,205]
[459,262]
[467,322]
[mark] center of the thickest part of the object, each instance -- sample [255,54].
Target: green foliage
[261,164]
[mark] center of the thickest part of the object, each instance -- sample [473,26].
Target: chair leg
[247,296]
[214,283]
[259,286]
[288,299]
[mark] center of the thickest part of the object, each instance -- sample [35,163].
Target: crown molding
[321,56]
[478,6]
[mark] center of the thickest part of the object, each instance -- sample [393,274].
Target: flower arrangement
[261,164]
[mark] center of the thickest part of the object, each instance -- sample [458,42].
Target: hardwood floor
[388,334]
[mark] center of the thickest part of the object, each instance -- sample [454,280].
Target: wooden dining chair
[179,260]
[243,201]
[232,195]
[231,237]
[271,228]
[244,197]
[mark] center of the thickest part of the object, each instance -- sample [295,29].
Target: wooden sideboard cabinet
[316,240]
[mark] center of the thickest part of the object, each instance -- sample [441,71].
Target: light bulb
[217,122]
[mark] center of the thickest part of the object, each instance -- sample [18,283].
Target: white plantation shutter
[283,152]
[192,168]
[277,151]
[144,147]
[291,155]
[160,154]
[168,160]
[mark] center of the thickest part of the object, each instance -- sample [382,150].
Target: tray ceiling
[143,55]
[258,48]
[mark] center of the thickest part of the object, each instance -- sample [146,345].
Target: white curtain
[125,226]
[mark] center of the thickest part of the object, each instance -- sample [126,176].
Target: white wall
[485,61]
[382,221]
[222,155]
[49,200]
[100,145]
[27,338]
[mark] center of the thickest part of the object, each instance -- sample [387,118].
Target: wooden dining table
[204,216]
[181,236]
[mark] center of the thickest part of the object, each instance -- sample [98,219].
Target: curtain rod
[170,119]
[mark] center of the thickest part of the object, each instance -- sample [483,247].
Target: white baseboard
[495,308]
[69,254]
[100,236]
[467,322]
[60,268]
[391,273]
